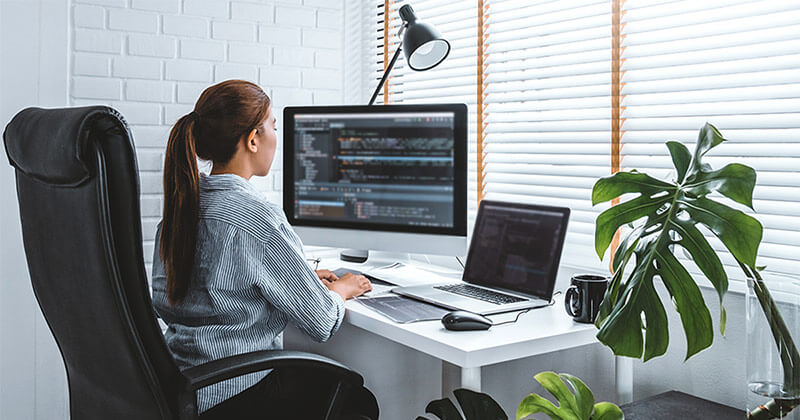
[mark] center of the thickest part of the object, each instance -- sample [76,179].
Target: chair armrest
[241,364]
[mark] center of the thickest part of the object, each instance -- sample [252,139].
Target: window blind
[548,109]
[553,70]
[452,81]
[735,64]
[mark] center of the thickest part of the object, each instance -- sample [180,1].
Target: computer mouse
[465,321]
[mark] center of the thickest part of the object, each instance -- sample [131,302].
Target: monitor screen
[399,168]
[517,247]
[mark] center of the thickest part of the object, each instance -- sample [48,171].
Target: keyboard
[479,293]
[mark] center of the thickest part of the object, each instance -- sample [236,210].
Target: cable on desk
[459,261]
[515,319]
[552,302]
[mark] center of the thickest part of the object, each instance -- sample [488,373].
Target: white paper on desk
[408,275]
[379,290]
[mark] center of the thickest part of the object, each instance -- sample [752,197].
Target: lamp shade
[423,45]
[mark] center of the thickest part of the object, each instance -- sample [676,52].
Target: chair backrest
[78,190]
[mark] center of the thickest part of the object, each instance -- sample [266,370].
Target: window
[735,64]
[548,107]
[454,80]
[569,91]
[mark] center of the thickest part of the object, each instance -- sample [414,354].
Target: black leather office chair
[78,190]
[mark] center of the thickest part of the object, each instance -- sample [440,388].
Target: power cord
[459,261]
[515,319]
[552,302]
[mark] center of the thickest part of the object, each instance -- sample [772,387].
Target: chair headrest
[51,144]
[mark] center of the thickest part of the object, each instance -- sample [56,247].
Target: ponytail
[224,114]
[181,208]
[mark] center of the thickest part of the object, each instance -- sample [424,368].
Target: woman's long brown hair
[224,114]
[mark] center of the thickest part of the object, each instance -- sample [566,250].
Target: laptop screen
[517,247]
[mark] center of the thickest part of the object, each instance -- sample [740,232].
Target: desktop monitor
[389,178]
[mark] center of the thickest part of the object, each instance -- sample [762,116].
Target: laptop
[512,261]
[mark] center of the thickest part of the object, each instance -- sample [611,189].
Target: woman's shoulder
[249,211]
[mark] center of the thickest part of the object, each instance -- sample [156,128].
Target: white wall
[33,71]
[151,59]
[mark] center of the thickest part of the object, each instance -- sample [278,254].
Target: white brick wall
[151,59]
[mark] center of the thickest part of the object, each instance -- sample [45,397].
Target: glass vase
[771,393]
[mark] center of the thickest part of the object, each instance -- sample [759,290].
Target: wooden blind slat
[480,97]
[616,100]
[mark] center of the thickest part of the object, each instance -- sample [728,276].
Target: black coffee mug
[583,297]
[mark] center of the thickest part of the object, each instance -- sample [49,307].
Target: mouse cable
[556,293]
[552,302]
[514,320]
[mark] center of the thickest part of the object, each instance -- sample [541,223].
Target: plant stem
[790,358]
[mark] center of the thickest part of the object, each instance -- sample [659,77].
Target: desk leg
[454,377]
[624,379]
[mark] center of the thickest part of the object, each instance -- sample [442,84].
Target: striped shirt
[250,278]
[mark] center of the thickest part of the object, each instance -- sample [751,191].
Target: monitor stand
[354,255]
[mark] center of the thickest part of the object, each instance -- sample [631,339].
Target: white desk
[464,353]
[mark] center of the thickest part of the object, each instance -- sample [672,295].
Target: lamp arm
[385,75]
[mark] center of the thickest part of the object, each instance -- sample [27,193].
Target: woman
[228,271]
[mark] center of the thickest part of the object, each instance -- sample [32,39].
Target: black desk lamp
[423,45]
[425,49]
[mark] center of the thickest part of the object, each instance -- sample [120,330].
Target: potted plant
[662,219]
[577,404]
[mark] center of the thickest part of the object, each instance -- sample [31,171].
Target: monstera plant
[661,220]
[577,406]
[474,405]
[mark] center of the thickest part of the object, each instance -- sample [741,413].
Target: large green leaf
[681,158]
[610,220]
[444,409]
[708,138]
[578,406]
[607,411]
[533,404]
[637,310]
[474,405]
[734,181]
[626,182]
[553,384]
[688,301]
[632,319]
[740,233]
[478,406]
[583,395]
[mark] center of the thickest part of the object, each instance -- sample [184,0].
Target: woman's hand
[349,285]
[326,275]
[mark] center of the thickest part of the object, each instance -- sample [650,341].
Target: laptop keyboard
[479,293]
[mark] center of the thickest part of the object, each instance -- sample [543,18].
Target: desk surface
[538,331]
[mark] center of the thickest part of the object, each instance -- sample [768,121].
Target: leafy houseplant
[578,406]
[664,217]
[475,405]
